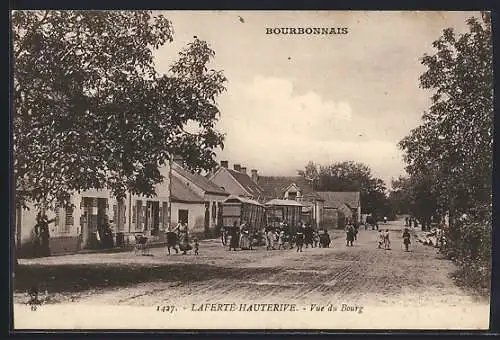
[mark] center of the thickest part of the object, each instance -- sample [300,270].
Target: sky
[292,99]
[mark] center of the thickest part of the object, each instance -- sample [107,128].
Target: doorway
[94,211]
[153,217]
[207,218]
[183,216]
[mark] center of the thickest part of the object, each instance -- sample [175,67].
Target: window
[138,215]
[292,195]
[68,223]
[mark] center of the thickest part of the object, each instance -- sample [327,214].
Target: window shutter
[160,213]
[58,217]
[115,214]
[134,219]
[124,214]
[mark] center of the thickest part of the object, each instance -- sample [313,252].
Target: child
[381,239]
[281,240]
[316,239]
[196,246]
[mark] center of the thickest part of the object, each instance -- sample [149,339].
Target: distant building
[236,181]
[340,206]
[294,188]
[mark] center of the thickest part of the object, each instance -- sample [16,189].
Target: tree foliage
[415,196]
[449,157]
[91,111]
[453,146]
[350,176]
[310,173]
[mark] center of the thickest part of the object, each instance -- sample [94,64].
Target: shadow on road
[76,278]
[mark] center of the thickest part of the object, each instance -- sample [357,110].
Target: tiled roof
[275,186]
[334,199]
[182,193]
[246,182]
[313,196]
[199,180]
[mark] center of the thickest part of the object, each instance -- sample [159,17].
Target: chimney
[224,164]
[237,167]
[243,169]
[255,177]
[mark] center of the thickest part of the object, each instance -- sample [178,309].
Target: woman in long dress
[184,239]
[271,237]
[245,239]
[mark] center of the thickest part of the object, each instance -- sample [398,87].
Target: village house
[236,181]
[211,195]
[75,228]
[187,207]
[340,207]
[194,200]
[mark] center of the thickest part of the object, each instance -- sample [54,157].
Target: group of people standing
[351,230]
[305,235]
[242,237]
[384,241]
[411,222]
[41,235]
[239,236]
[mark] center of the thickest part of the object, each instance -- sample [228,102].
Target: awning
[278,202]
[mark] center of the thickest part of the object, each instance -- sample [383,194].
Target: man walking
[387,241]
[299,240]
[406,239]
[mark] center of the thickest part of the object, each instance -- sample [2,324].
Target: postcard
[266,170]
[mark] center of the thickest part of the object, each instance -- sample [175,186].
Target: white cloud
[273,129]
[269,104]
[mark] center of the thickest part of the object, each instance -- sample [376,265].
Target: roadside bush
[468,244]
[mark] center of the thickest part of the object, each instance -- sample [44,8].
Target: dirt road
[358,276]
